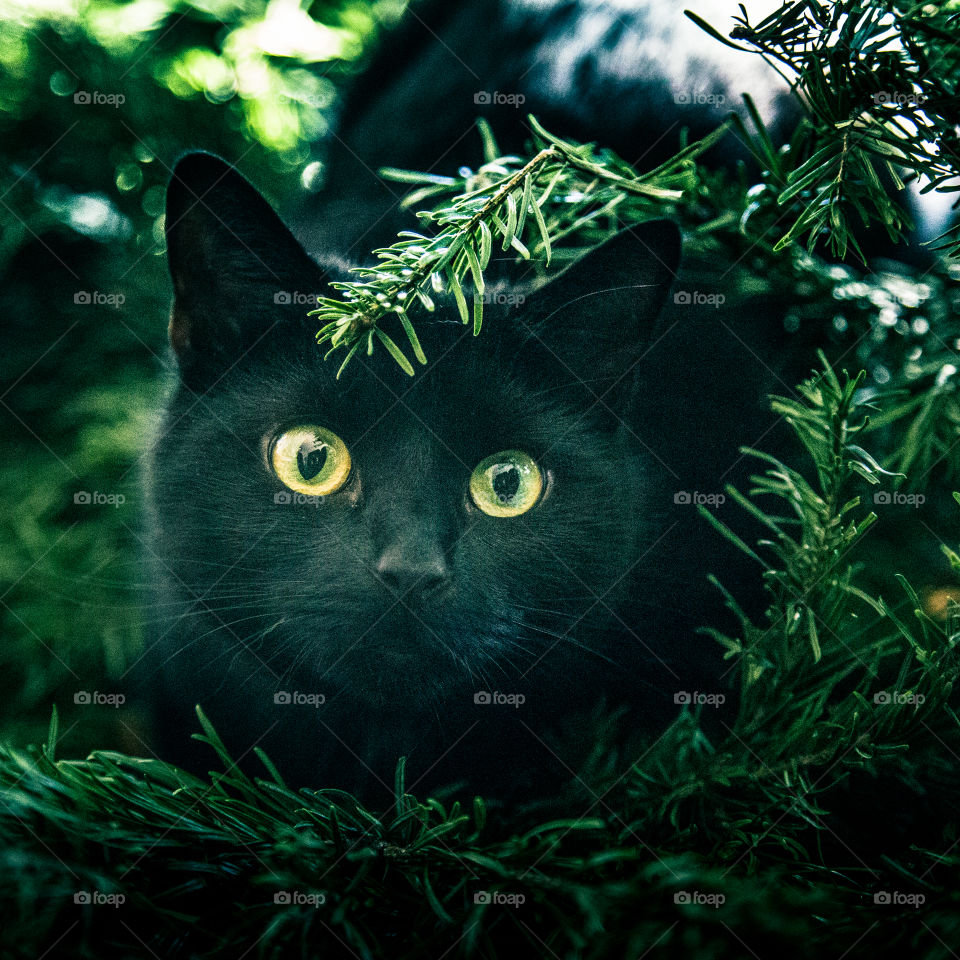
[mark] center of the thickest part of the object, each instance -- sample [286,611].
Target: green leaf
[511,228]
[53,734]
[703,25]
[268,763]
[399,789]
[728,533]
[411,176]
[524,205]
[490,149]
[412,337]
[455,287]
[814,638]
[486,245]
[394,351]
[475,270]
[435,904]
[542,227]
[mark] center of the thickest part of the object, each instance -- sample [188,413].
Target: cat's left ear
[596,318]
[237,270]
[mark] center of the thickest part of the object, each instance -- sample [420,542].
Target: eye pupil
[506,484]
[310,460]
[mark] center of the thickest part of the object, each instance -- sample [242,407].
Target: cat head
[391,536]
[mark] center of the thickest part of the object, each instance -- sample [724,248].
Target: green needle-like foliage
[877,86]
[878,83]
[820,813]
[520,206]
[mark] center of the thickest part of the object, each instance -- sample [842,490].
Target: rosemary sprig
[527,206]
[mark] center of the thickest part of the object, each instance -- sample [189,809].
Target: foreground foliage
[812,825]
[825,813]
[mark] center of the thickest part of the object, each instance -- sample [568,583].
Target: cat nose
[420,572]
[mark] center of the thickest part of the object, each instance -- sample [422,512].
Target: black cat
[452,568]
[449,567]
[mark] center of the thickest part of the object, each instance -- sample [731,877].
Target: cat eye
[506,484]
[311,460]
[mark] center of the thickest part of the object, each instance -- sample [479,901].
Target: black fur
[396,599]
[596,592]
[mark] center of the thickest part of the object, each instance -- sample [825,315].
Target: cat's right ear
[237,270]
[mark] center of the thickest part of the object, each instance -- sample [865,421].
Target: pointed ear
[598,316]
[237,270]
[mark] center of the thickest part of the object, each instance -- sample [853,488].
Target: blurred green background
[97,100]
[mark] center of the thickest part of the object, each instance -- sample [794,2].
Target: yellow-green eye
[507,484]
[311,460]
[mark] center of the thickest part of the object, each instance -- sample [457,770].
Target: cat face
[381,536]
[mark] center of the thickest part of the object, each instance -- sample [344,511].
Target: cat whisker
[566,638]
